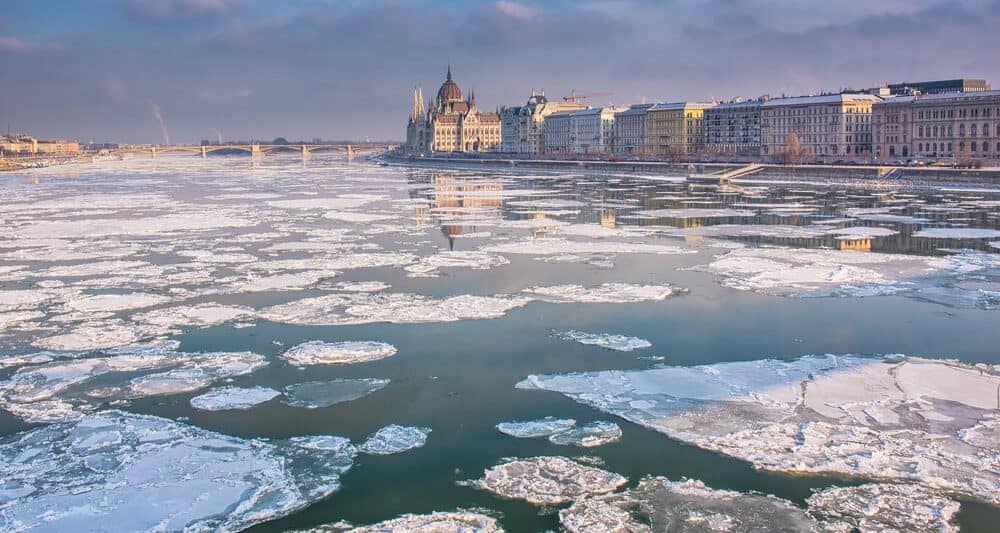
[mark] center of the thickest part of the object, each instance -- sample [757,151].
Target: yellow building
[22,144]
[676,128]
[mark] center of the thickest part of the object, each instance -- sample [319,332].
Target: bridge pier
[305,152]
[204,152]
[256,152]
[350,153]
[153,152]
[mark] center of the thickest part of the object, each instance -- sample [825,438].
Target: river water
[741,272]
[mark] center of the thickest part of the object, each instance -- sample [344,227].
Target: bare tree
[793,152]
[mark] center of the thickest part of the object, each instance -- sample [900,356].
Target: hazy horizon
[346,69]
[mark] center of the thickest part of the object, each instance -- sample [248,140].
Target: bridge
[258,150]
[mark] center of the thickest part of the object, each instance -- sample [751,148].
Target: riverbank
[918,176]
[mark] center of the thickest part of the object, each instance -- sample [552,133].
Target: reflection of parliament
[451,123]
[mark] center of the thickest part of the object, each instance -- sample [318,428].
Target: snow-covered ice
[604,293]
[560,246]
[337,353]
[394,439]
[135,472]
[885,507]
[958,233]
[547,480]
[226,398]
[437,522]
[931,422]
[362,308]
[621,343]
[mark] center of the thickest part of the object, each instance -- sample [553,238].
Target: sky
[345,69]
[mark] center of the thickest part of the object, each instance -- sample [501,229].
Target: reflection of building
[676,128]
[826,125]
[630,130]
[464,199]
[960,125]
[860,244]
[452,124]
[523,127]
[734,128]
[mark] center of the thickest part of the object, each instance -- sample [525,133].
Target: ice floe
[200,315]
[337,353]
[536,428]
[116,302]
[958,233]
[437,522]
[317,394]
[135,472]
[695,212]
[428,266]
[604,293]
[226,398]
[658,504]
[559,246]
[65,389]
[884,507]
[588,435]
[621,343]
[931,422]
[361,308]
[394,439]
[547,480]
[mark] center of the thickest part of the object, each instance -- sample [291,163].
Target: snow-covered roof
[674,106]
[822,99]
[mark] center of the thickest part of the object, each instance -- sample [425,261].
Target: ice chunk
[337,353]
[437,522]
[547,480]
[694,212]
[316,394]
[225,398]
[658,504]
[885,507]
[116,302]
[604,293]
[558,246]
[428,266]
[394,439]
[589,435]
[901,418]
[135,473]
[362,308]
[536,428]
[620,343]
[361,286]
[200,315]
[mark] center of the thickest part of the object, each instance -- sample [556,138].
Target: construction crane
[575,97]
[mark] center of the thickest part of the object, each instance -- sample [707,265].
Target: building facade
[939,86]
[592,130]
[452,124]
[24,144]
[734,128]
[629,133]
[946,125]
[676,128]
[524,126]
[827,126]
[557,133]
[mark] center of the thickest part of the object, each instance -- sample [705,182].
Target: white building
[829,126]
[592,130]
[524,126]
[557,133]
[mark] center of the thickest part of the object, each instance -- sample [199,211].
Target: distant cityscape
[955,120]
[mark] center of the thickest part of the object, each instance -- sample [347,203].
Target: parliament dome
[449,91]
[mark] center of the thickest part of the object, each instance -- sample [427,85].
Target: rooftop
[822,99]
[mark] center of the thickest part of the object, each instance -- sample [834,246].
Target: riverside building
[592,130]
[734,127]
[829,126]
[453,124]
[944,125]
[629,131]
[523,127]
[676,128]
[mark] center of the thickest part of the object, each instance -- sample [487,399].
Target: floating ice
[317,394]
[116,302]
[958,233]
[695,213]
[64,389]
[340,309]
[589,435]
[856,232]
[604,293]
[94,336]
[547,480]
[925,421]
[337,353]
[347,201]
[437,522]
[201,315]
[135,472]
[885,507]
[536,428]
[225,398]
[357,218]
[428,266]
[658,504]
[558,246]
[394,439]
[621,343]
[361,286]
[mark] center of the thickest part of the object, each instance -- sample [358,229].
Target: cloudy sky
[340,69]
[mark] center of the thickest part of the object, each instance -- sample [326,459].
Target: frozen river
[206,344]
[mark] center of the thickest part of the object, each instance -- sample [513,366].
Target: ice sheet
[547,480]
[362,308]
[588,435]
[394,439]
[226,398]
[337,353]
[621,343]
[536,428]
[318,394]
[604,293]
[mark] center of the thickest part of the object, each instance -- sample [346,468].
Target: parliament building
[452,123]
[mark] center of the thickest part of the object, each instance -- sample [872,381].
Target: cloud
[224,97]
[179,9]
[517,11]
